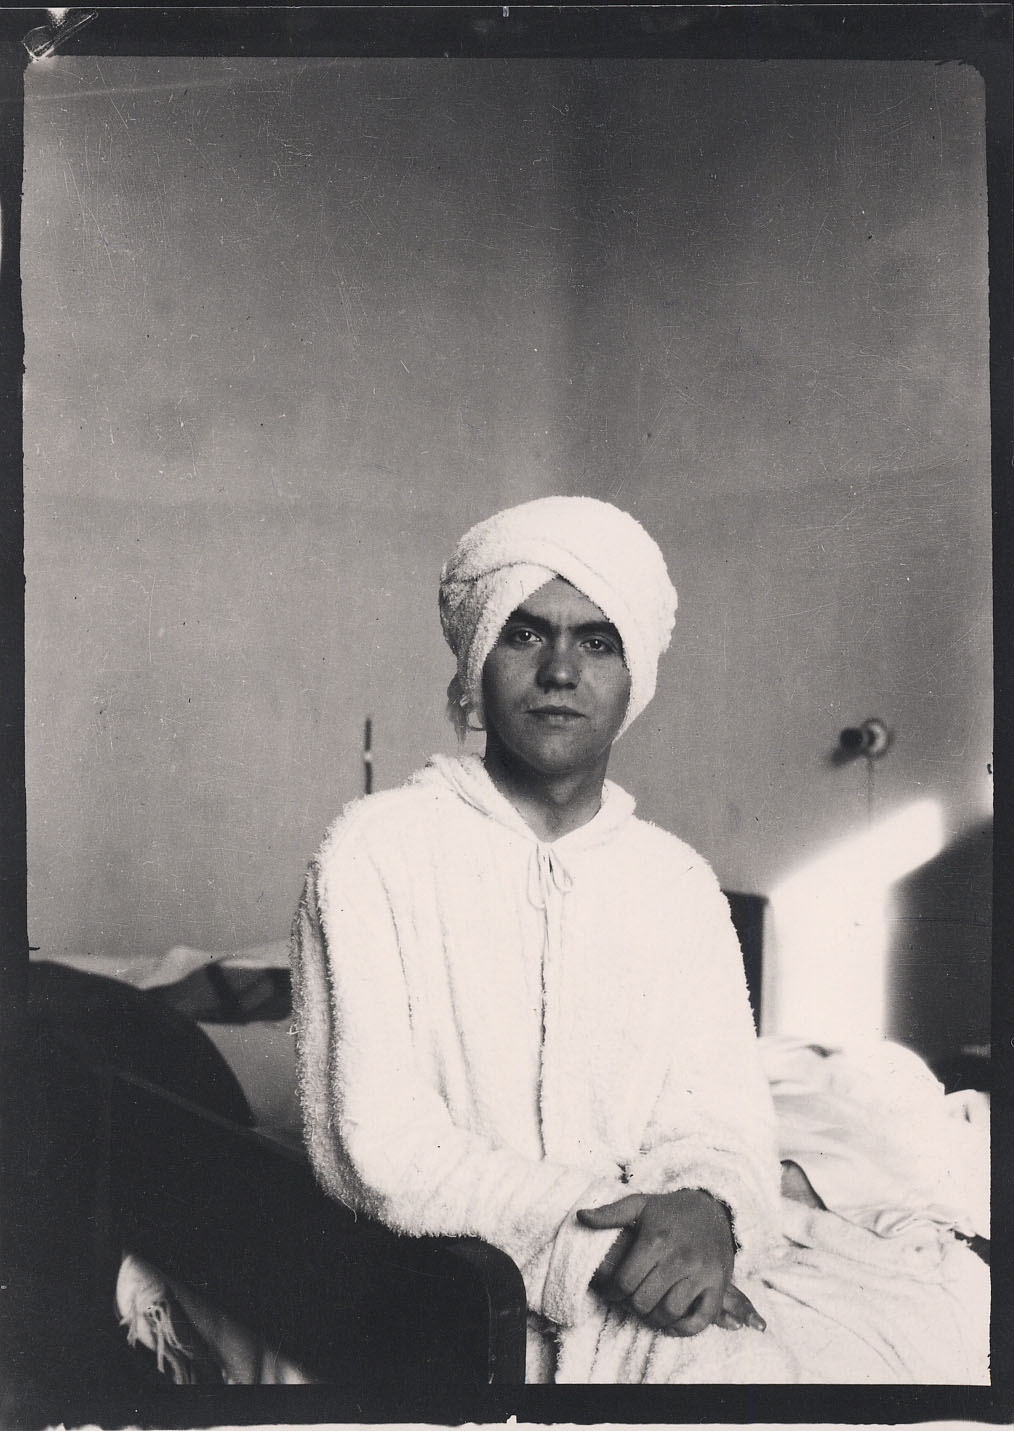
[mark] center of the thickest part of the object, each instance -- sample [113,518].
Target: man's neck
[553,805]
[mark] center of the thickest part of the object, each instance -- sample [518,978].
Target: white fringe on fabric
[151,1316]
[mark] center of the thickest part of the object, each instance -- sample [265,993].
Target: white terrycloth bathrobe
[493,1031]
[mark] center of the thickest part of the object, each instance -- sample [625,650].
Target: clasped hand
[672,1263]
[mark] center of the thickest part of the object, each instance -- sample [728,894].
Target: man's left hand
[675,1268]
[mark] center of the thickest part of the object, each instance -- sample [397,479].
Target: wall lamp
[872,739]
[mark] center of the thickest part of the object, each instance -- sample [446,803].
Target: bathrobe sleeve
[380,1137]
[713,1126]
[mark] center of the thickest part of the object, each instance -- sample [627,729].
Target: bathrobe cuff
[575,1256]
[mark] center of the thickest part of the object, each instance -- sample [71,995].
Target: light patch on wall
[827,978]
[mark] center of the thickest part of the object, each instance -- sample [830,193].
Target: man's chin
[558,758]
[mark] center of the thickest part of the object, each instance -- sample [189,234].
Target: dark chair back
[239,1219]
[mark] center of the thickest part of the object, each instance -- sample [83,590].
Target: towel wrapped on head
[602,551]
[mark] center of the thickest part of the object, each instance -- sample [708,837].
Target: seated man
[521,1014]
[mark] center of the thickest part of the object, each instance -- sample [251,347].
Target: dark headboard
[748,913]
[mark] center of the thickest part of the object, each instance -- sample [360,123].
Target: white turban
[599,549]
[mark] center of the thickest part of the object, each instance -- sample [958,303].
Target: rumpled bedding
[880,1142]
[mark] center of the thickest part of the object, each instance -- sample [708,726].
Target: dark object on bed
[224,994]
[240,1220]
[80,1027]
[113,1025]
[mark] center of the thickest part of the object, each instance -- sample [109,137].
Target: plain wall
[292,325]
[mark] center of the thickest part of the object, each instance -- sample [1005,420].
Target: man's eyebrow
[586,628]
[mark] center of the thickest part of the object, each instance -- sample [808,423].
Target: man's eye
[600,646]
[521,636]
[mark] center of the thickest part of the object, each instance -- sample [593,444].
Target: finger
[668,1292]
[728,1322]
[676,1304]
[742,1309]
[622,1213]
[702,1312]
[642,1260]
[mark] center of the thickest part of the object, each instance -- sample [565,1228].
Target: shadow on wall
[939,959]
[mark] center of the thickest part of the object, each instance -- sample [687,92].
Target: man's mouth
[553,714]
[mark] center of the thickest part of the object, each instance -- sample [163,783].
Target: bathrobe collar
[467,777]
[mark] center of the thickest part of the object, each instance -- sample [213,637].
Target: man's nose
[559,666]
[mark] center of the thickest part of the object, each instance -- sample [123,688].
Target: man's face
[555,686]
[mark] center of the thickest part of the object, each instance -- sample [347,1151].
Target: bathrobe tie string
[546,873]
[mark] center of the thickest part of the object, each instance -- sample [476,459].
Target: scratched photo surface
[292,324]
